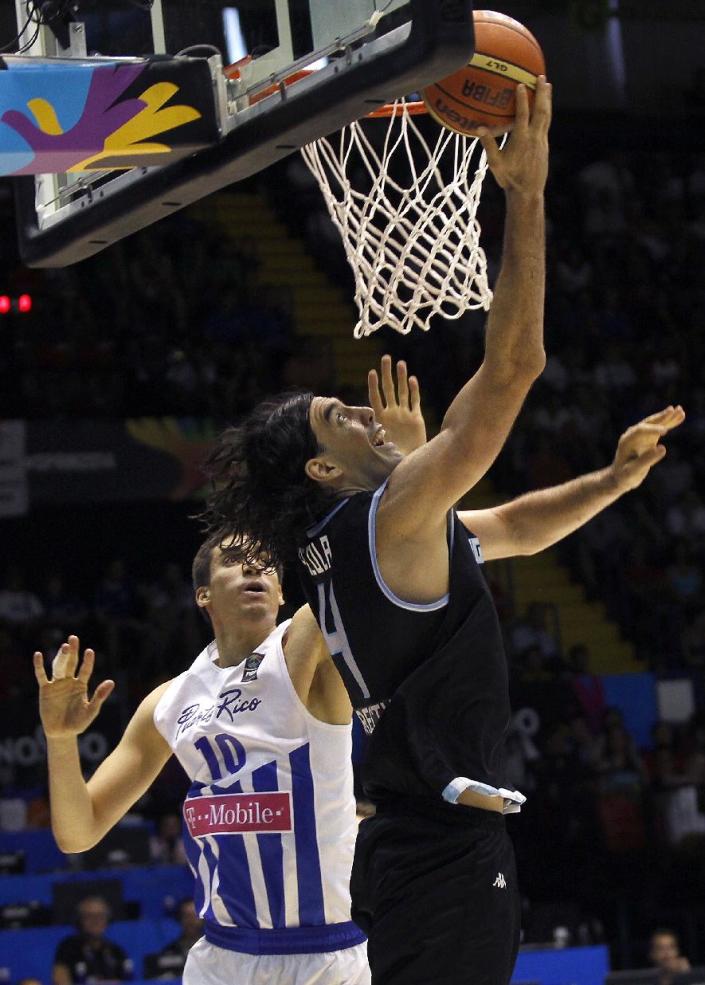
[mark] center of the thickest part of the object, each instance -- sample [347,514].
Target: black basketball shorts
[434,887]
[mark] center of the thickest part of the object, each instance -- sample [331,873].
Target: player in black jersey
[392,573]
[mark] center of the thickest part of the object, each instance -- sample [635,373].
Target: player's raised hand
[398,406]
[64,707]
[639,448]
[522,165]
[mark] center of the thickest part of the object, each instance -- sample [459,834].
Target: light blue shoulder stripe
[383,586]
[313,531]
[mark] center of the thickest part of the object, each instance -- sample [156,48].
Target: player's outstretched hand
[398,407]
[64,707]
[639,448]
[522,165]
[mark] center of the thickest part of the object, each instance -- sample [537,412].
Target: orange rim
[396,109]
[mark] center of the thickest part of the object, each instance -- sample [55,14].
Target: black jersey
[428,681]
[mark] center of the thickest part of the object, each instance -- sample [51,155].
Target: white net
[406,211]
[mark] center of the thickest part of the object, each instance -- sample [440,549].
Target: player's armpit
[130,769]
[303,640]
[312,671]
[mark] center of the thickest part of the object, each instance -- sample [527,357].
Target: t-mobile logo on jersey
[317,556]
[238,813]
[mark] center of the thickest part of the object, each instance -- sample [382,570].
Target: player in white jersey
[261,724]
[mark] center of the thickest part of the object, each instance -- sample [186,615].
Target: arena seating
[150,891]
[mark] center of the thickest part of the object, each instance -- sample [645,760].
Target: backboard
[347,57]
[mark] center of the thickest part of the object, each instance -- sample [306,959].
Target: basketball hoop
[406,210]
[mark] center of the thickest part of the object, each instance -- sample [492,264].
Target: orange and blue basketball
[483,93]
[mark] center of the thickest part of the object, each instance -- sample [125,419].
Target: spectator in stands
[531,631]
[170,961]
[167,845]
[618,755]
[531,665]
[89,954]
[665,954]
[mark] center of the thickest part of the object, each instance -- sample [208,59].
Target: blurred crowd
[89,955]
[170,321]
[141,629]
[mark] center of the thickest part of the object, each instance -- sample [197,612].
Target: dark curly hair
[261,493]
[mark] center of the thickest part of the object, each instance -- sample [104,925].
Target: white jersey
[269,819]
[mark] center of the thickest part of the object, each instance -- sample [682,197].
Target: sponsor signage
[239,813]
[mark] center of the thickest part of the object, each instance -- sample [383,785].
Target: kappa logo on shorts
[500,882]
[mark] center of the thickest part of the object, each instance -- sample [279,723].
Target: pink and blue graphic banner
[56,117]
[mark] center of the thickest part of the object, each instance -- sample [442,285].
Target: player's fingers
[101,693]
[39,670]
[645,430]
[676,417]
[72,656]
[660,415]
[388,389]
[87,666]
[375,396]
[402,384]
[60,662]
[543,103]
[670,416]
[521,116]
[490,147]
[414,393]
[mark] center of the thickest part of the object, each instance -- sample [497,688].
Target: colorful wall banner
[94,461]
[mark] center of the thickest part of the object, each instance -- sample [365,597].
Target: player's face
[354,446]
[664,951]
[93,918]
[247,590]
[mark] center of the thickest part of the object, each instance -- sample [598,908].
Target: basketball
[483,93]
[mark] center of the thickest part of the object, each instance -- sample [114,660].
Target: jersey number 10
[232,754]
